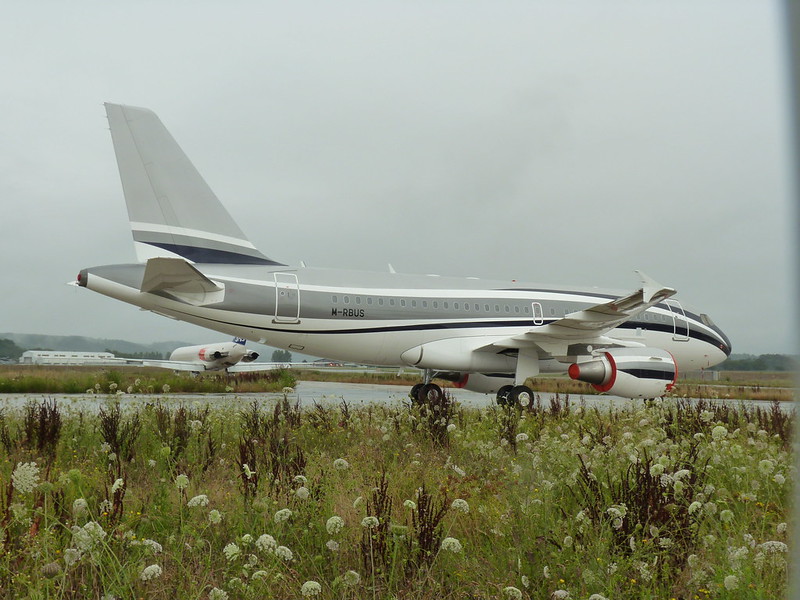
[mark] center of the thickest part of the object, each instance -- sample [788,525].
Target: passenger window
[496,308]
[516,309]
[456,305]
[424,304]
[358,299]
[369,300]
[380,301]
[335,299]
[391,301]
[403,303]
[447,305]
[508,309]
[435,304]
[527,309]
[347,299]
[413,304]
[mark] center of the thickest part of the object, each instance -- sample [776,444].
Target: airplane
[232,357]
[490,336]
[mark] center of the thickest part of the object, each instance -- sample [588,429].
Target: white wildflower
[773,547]
[151,463]
[247,471]
[694,507]
[71,556]
[522,437]
[546,572]
[369,522]
[410,504]
[334,525]
[779,478]
[560,595]
[302,492]
[259,576]
[151,572]
[726,516]
[153,545]
[780,528]
[79,508]
[460,505]
[451,427]
[332,545]
[283,553]
[351,578]
[731,582]
[656,469]
[201,500]
[597,597]
[214,516]
[341,464]
[25,477]
[84,538]
[282,515]
[719,432]
[232,551]
[311,588]
[512,593]
[357,502]
[568,541]
[266,543]
[451,544]
[218,594]
[118,484]
[766,466]
[181,482]
[525,581]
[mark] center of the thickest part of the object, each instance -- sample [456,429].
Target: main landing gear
[423,393]
[426,392]
[513,395]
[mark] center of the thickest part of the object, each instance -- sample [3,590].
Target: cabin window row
[434,304]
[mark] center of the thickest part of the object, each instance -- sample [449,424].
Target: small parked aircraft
[197,265]
[232,357]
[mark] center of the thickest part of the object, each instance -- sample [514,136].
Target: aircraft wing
[590,325]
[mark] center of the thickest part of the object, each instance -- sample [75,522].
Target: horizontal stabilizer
[179,278]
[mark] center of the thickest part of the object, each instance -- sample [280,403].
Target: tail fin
[172,210]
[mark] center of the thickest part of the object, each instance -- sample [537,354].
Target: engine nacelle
[250,356]
[458,354]
[629,372]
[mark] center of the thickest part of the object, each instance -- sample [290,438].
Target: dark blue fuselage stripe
[463,325]
[212,256]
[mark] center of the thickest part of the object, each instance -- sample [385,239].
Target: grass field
[167,500]
[74,380]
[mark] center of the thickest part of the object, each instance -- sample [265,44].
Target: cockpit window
[707,320]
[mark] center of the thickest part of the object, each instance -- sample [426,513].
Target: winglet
[651,288]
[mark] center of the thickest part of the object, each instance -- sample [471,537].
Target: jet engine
[629,372]
[249,356]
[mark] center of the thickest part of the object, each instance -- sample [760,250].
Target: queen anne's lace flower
[451,544]
[181,482]
[25,477]
[282,515]
[369,522]
[201,500]
[218,594]
[334,525]
[460,505]
[214,516]
[151,572]
[341,464]
[232,551]
[283,553]
[311,588]
[266,543]
[351,578]
[512,593]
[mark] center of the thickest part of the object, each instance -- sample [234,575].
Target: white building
[66,357]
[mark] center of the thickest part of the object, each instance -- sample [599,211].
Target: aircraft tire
[414,393]
[503,393]
[430,392]
[520,395]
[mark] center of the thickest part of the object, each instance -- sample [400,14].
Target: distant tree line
[9,349]
[281,356]
[763,362]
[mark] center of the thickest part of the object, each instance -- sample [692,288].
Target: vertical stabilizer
[172,210]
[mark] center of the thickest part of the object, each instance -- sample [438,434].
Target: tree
[282,356]
[8,349]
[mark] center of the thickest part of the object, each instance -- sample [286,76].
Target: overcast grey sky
[558,142]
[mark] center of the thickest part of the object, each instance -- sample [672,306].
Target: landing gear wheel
[502,394]
[414,393]
[521,395]
[430,392]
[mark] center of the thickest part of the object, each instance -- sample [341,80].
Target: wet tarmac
[325,393]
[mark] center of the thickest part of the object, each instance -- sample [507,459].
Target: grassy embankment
[17,379]
[163,500]
[66,380]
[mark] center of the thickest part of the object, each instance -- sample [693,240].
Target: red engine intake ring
[461,382]
[608,385]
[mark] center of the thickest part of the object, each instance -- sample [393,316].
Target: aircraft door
[538,315]
[680,332]
[287,298]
